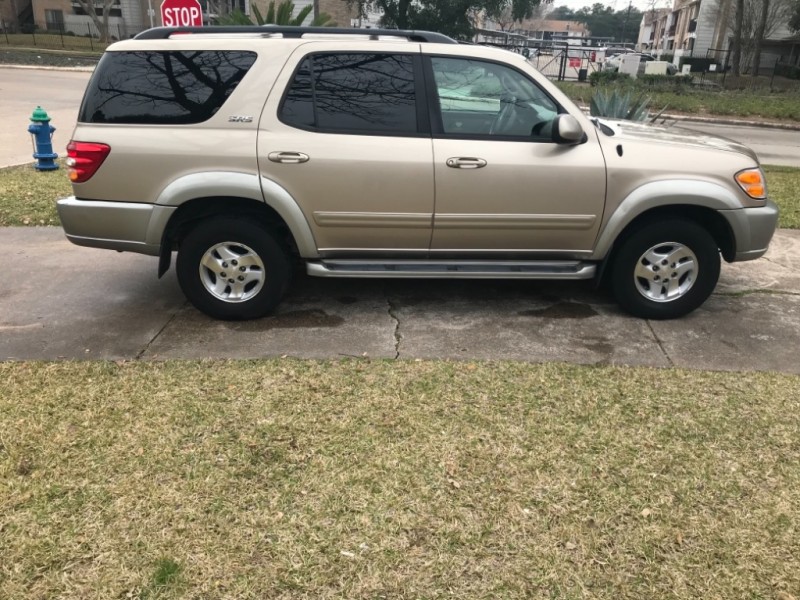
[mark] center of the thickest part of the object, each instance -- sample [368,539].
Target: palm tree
[280,15]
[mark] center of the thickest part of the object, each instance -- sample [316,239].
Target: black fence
[772,72]
[562,62]
[60,35]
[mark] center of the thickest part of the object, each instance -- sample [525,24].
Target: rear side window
[353,93]
[162,88]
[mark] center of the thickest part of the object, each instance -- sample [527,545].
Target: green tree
[603,21]
[277,15]
[562,13]
[455,18]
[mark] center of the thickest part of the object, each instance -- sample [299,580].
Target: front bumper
[125,226]
[753,229]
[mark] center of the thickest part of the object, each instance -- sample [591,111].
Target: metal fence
[772,72]
[59,35]
[562,62]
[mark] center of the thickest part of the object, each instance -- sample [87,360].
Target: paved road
[22,90]
[773,146]
[61,301]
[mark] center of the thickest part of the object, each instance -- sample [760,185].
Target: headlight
[753,183]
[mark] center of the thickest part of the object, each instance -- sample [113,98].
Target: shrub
[664,81]
[605,77]
[788,71]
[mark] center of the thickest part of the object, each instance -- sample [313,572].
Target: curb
[49,68]
[789,126]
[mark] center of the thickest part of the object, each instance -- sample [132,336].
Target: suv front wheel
[231,269]
[666,269]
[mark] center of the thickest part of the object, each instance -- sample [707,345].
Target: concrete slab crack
[160,331]
[398,337]
[660,345]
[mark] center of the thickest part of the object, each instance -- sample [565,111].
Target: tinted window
[369,93]
[162,87]
[484,98]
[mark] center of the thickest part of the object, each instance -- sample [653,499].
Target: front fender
[235,185]
[667,193]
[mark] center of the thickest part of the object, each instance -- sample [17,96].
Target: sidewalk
[69,302]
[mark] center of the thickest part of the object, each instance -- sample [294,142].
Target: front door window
[479,98]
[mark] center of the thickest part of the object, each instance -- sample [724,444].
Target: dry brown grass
[359,479]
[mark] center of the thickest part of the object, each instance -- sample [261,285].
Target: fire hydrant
[42,133]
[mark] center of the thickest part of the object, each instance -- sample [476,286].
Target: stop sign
[181,13]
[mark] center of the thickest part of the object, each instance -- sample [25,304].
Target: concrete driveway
[59,301]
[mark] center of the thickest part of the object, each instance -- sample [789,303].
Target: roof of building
[537,25]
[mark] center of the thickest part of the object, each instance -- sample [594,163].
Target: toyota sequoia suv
[385,153]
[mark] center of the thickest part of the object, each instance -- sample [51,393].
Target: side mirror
[567,130]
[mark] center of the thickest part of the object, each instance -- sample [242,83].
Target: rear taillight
[84,158]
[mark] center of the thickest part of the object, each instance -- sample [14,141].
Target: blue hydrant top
[40,115]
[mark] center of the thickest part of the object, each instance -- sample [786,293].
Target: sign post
[181,13]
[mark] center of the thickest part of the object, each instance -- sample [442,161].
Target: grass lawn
[50,40]
[779,105]
[27,197]
[379,479]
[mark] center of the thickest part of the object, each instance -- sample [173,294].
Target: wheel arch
[699,201]
[198,196]
[710,219]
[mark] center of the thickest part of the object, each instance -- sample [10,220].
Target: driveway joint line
[393,308]
[159,332]
[750,292]
[660,345]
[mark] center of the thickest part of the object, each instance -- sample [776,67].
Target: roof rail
[161,33]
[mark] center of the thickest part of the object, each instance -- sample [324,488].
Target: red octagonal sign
[181,13]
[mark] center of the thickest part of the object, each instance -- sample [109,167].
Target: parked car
[614,51]
[395,154]
[613,63]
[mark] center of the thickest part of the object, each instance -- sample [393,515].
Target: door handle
[464,162]
[288,158]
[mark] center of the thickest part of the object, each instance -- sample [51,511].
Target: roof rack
[161,33]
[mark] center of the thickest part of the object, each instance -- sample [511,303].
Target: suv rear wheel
[666,269]
[230,268]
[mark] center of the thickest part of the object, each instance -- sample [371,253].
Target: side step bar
[459,269]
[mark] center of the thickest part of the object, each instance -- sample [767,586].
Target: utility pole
[625,22]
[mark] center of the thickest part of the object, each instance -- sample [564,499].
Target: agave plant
[277,15]
[616,104]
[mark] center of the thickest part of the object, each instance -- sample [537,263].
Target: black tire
[260,280]
[698,265]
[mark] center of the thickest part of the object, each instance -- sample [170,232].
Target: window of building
[54,20]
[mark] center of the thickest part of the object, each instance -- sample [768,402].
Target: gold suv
[384,153]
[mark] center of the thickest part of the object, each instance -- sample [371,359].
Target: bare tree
[736,56]
[747,19]
[759,39]
[505,19]
[100,21]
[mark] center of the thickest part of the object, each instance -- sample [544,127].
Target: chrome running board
[456,269]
